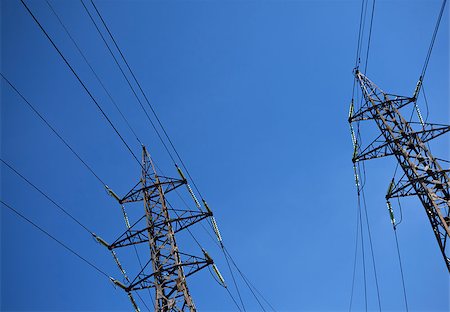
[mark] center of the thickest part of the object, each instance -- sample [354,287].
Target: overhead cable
[433,39]
[33,108]
[127,80]
[93,71]
[46,196]
[147,100]
[55,239]
[81,82]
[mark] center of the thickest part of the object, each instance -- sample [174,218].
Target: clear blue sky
[255,96]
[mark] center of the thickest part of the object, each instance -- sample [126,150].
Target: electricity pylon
[423,176]
[167,269]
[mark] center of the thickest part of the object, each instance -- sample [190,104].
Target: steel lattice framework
[167,269]
[423,176]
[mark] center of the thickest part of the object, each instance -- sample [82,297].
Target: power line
[371,246]
[370,36]
[358,47]
[232,297]
[53,129]
[245,280]
[401,268]
[234,280]
[147,100]
[81,82]
[433,38]
[363,252]
[354,260]
[54,238]
[46,196]
[127,80]
[93,71]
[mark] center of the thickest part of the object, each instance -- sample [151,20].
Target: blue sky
[255,96]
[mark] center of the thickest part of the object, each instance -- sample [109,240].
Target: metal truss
[167,269]
[423,176]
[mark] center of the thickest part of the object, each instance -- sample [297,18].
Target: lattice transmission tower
[167,268]
[407,141]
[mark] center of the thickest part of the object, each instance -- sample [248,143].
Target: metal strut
[423,175]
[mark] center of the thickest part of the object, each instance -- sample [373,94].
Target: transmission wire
[357,60]
[371,249]
[93,71]
[370,36]
[53,129]
[46,196]
[54,238]
[401,268]
[362,249]
[232,297]
[81,82]
[232,276]
[433,38]
[127,80]
[247,282]
[354,260]
[147,100]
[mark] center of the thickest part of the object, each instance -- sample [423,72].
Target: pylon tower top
[407,141]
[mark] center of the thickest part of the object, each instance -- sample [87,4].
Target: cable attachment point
[197,203]
[417,90]
[101,241]
[216,270]
[133,302]
[213,221]
[210,213]
[390,189]
[117,283]
[350,113]
[113,194]
[391,213]
[355,172]
[355,153]
[181,174]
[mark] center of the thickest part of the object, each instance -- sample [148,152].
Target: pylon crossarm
[367,109]
[143,281]
[137,193]
[431,131]
[380,146]
[377,149]
[402,188]
[133,237]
